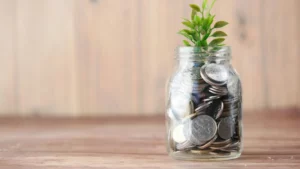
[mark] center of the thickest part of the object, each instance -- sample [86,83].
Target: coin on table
[202,129]
[178,134]
[226,128]
[214,74]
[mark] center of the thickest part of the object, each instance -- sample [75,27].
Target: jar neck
[220,55]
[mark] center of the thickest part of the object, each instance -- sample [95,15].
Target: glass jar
[204,106]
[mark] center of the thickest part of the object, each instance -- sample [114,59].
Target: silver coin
[211,98]
[203,106]
[218,91]
[220,111]
[226,128]
[216,72]
[178,134]
[187,145]
[206,145]
[202,129]
[230,113]
[215,109]
[180,104]
[222,143]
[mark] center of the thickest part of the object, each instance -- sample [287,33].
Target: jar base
[179,155]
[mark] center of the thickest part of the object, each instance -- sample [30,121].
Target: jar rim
[222,52]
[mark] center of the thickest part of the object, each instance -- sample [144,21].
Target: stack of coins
[209,112]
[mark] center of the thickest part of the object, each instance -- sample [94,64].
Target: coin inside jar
[202,129]
[203,106]
[178,134]
[226,128]
[215,109]
[214,74]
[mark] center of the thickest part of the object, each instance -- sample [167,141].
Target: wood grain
[8,74]
[102,57]
[271,140]
[46,57]
[281,52]
[108,55]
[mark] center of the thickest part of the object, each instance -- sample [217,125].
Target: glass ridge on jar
[204,106]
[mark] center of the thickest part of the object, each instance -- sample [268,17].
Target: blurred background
[112,57]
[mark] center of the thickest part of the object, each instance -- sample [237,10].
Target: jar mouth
[223,52]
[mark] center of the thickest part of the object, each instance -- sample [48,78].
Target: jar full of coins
[204,106]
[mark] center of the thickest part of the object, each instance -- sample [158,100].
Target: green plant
[199,28]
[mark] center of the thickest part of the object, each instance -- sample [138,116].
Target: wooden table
[272,140]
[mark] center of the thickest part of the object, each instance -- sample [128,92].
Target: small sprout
[199,29]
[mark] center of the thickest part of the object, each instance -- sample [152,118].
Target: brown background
[108,57]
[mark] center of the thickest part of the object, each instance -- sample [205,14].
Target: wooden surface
[271,140]
[109,57]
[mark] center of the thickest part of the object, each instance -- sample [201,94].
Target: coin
[211,98]
[214,74]
[221,91]
[203,106]
[202,129]
[222,142]
[230,113]
[178,135]
[206,145]
[187,145]
[180,104]
[215,109]
[226,128]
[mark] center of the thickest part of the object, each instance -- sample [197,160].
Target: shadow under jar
[204,106]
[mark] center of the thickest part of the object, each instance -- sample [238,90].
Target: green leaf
[193,14]
[198,43]
[187,31]
[188,24]
[196,36]
[203,32]
[197,20]
[220,24]
[204,4]
[210,19]
[186,43]
[195,7]
[219,34]
[183,33]
[205,25]
[216,41]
